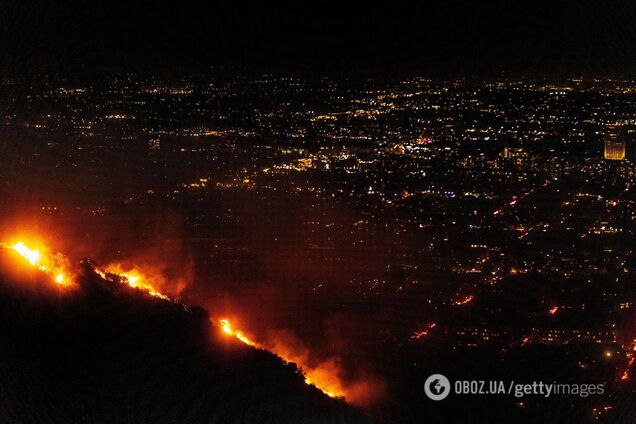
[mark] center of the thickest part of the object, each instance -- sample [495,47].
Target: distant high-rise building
[614,143]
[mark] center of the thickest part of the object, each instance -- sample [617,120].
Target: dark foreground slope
[106,354]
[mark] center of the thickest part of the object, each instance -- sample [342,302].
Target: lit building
[614,143]
[516,155]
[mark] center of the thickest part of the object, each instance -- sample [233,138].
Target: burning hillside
[54,265]
[112,347]
[324,374]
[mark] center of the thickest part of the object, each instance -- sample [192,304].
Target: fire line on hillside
[57,267]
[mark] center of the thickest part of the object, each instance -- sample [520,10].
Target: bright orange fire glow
[31,255]
[553,310]
[326,375]
[320,377]
[133,278]
[227,329]
[55,265]
[47,262]
[325,391]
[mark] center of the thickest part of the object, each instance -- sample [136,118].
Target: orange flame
[324,376]
[42,259]
[54,265]
[133,278]
[31,255]
[319,377]
[227,329]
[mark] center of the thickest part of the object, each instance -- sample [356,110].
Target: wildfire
[325,391]
[43,260]
[56,265]
[326,375]
[132,278]
[553,310]
[227,328]
[31,255]
[319,377]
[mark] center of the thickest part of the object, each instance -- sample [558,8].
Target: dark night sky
[523,37]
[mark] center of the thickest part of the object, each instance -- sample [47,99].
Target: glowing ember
[424,332]
[464,300]
[553,310]
[132,278]
[627,373]
[49,263]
